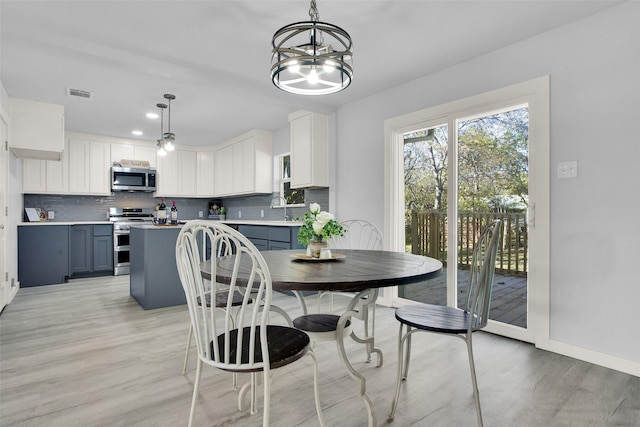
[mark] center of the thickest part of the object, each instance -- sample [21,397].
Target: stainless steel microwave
[130,179]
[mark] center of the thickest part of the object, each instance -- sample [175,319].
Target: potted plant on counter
[223,213]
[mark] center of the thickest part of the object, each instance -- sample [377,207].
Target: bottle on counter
[162,213]
[174,214]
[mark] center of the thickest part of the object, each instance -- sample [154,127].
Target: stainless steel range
[122,218]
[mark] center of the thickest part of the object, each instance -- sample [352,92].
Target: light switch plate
[200,214]
[568,169]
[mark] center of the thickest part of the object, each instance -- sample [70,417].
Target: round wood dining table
[360,271]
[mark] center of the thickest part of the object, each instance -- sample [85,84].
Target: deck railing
[427,234]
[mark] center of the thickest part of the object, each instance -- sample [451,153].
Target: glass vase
[314,248]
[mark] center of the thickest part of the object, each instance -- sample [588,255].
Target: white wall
[594,66]
[14,200]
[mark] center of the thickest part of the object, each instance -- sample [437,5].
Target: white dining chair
[241,342]
[453,321]
[359,234]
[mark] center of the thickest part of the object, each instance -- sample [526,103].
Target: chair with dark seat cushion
[452,320]
[243,342]
[359,234]
[221,303]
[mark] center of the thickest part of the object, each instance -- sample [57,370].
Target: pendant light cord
[313,11]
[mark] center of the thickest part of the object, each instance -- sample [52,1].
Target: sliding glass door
[461,169]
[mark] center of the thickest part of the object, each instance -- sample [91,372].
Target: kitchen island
[153,277]
[154,280]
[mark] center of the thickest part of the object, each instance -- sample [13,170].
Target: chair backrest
[360,234]
[216,331]
[483,267]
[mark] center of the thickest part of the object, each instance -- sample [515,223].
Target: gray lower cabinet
[103,248]
[258,235]
[269,237]
[80,245]
[91,250]
[43,254]
[154,280]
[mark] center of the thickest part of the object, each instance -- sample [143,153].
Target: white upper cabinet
[187,168]
[222,171]
[36,129]
[205,165]
[45,176]
[89,171]
[167,178]
[57,174]
[133,152]
[244,165]
[309,149]
[177,173]
[34,176]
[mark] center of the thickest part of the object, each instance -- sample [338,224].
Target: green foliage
[318,226]
[492,164]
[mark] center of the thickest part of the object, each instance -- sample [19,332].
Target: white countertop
[226,221]
[65,223]
[262,222]
[148,226]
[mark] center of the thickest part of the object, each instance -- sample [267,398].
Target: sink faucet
[283,204]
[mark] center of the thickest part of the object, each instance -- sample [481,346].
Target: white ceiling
[215,55]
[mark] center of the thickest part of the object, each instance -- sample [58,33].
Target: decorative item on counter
[137,164]
[214,209]
[317,228]
[35,214]
[222,213]
[162,213]
[174,214]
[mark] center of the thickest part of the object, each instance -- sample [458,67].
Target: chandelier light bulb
[328,67]
[161,151]
[313,77]
[168,146]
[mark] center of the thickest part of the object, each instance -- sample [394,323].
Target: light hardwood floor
[85,354]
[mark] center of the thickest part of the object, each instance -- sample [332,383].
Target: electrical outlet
[568,169]
[261,213]
[239,214]
[200,214]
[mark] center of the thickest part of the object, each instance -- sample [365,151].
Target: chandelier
[167,139]
[311,57]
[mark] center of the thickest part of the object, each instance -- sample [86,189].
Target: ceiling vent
[79,93]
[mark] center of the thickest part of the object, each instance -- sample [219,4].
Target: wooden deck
[508,301]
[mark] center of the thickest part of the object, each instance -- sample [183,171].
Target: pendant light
[169,137]
[161,142]
[311,57]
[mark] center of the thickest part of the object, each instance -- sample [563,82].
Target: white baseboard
[12,292]
[606,360]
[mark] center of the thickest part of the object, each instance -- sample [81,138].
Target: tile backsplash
[95,208]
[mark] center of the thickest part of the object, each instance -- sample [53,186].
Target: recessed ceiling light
[152,115]
[137,132]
